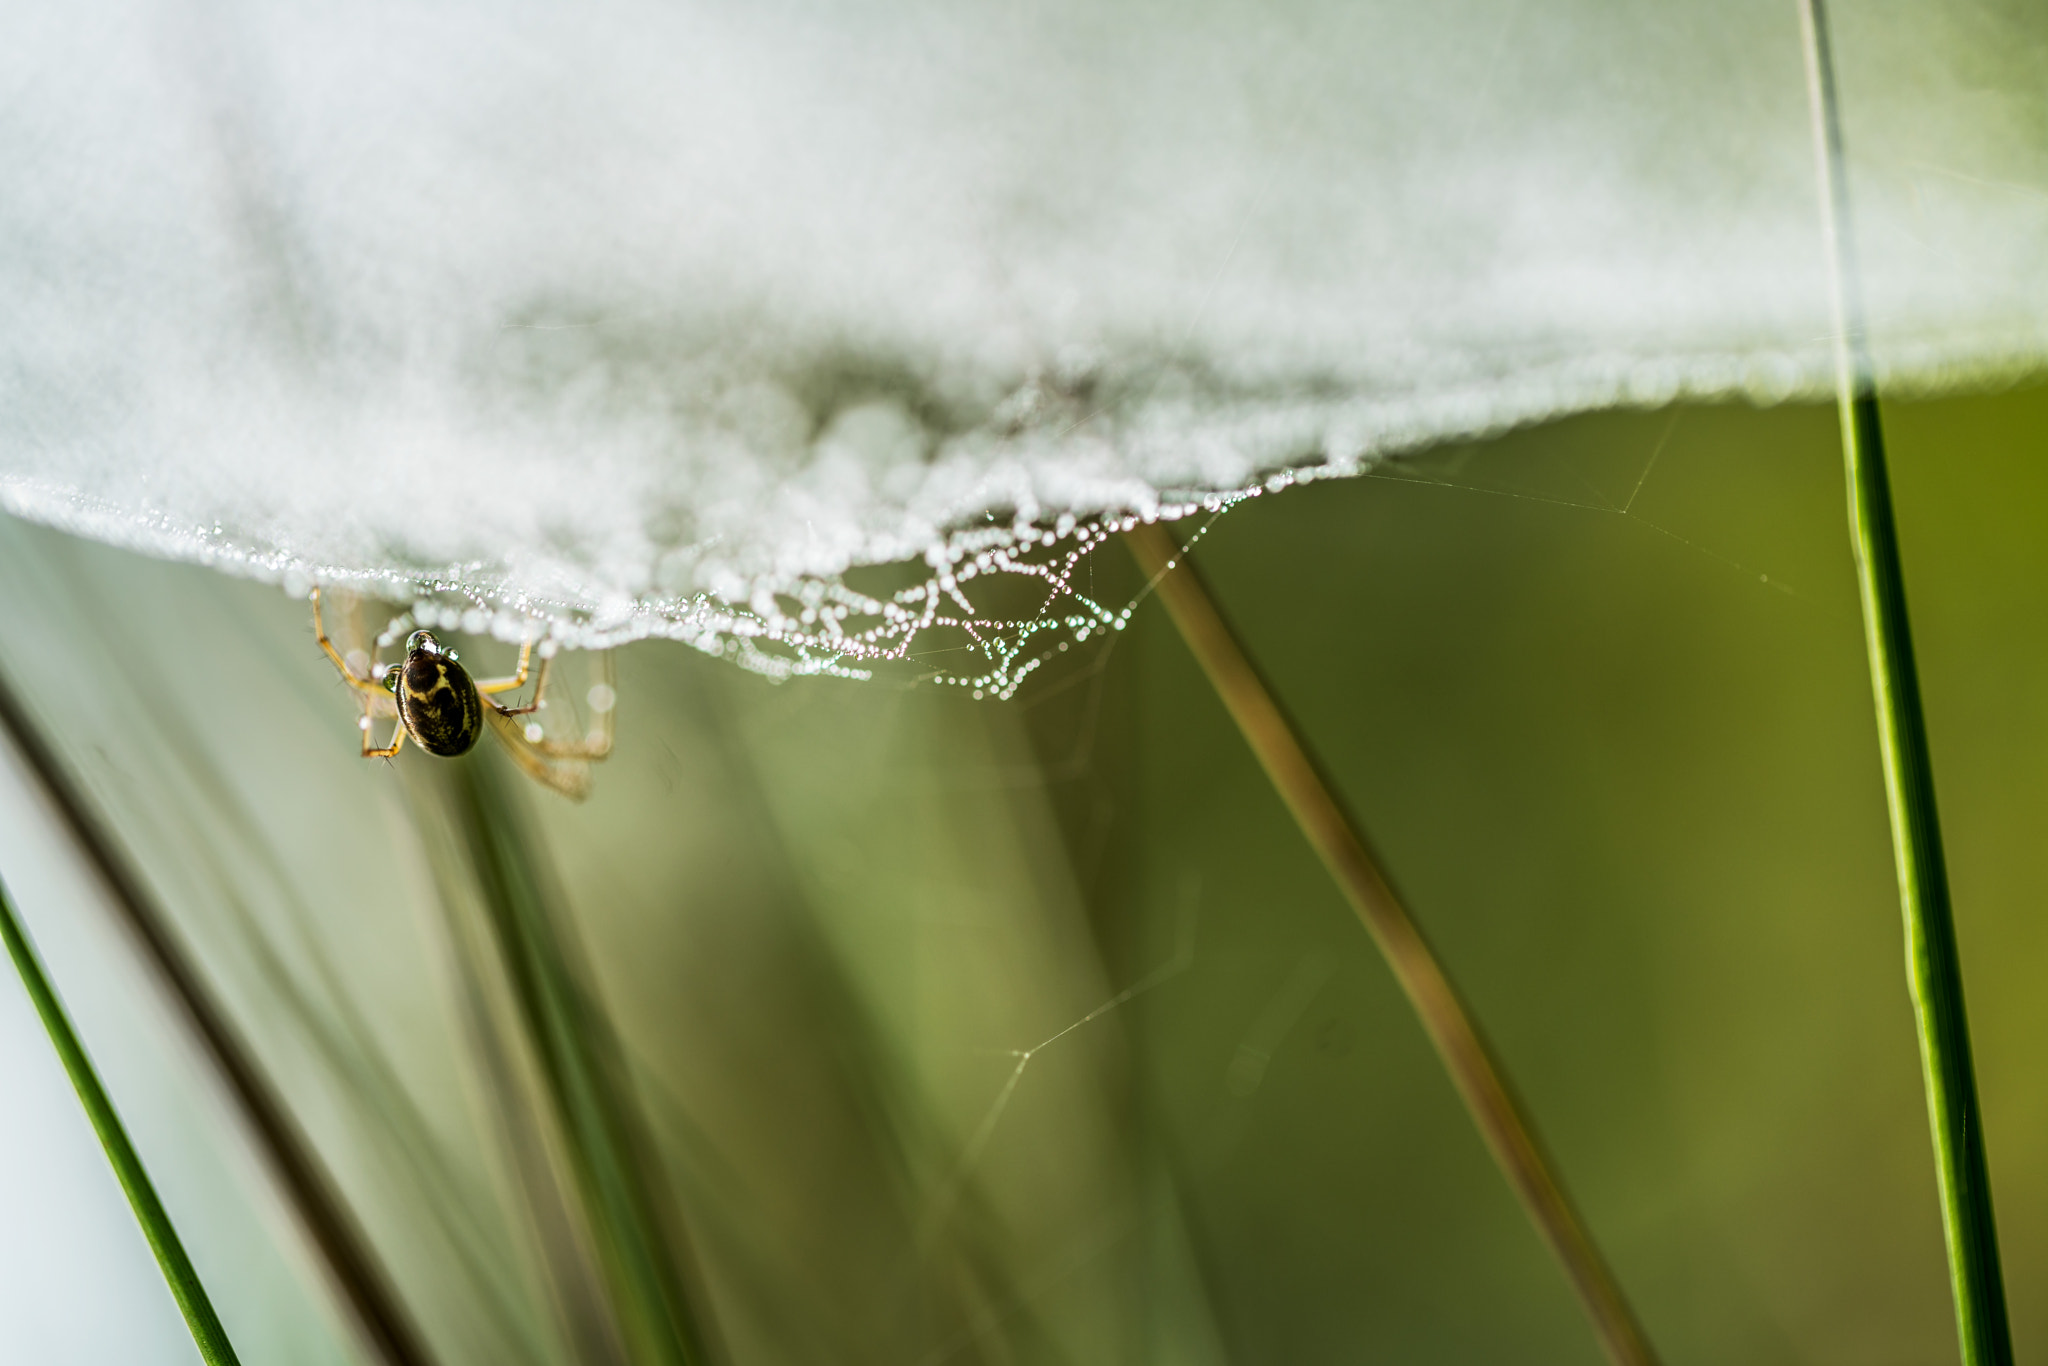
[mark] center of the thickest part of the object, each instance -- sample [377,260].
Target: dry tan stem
[1343,849]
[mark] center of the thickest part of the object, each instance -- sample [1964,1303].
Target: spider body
[438,703]
[443,710]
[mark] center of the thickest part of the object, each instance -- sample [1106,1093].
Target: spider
[433,699]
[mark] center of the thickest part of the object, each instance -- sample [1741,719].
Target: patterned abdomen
[439,704]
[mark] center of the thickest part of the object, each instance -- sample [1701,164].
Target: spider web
[940,631]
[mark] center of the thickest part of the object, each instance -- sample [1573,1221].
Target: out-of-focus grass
[1626,783]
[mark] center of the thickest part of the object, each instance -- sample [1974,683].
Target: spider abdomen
[439,704]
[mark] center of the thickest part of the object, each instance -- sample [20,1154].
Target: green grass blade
[572,1041]
[1933,963]
[212,1339]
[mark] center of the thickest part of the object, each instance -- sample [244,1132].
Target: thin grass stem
[1343,849]
[1933,962]
[207,1332]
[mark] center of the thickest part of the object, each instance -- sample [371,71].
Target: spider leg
[397,741]
[540,685]
[320,632]
[518,680]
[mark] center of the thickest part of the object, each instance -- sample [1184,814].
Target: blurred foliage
[1596,689]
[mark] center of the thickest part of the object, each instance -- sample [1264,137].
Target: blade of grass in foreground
[1343,849]
[207,1332]
[1933,963]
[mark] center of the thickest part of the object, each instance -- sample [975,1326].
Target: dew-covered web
[940,631]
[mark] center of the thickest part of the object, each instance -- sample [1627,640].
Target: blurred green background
[1597,691]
